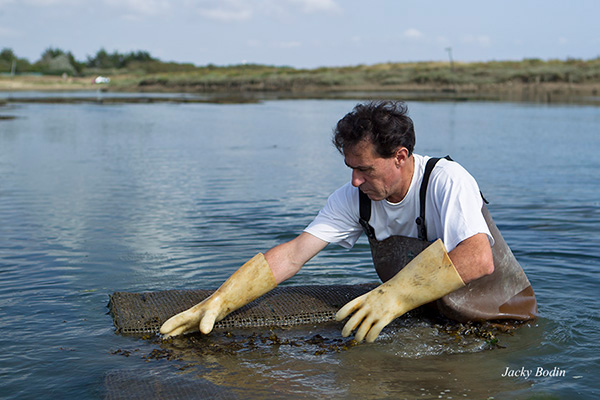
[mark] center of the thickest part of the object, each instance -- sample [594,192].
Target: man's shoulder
[346,194]
[446,169]
[451,176]
[342,204]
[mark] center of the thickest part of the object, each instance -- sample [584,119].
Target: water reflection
[101,198]
[412,360]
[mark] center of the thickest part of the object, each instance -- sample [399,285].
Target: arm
[430,276]
[286,259]
[473,258]
[253,279]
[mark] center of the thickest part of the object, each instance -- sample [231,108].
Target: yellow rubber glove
[251,281]
[428,277]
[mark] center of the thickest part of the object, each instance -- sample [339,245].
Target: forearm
[288,258]
[253,279]
[429,276]
[250,281]
[473,258]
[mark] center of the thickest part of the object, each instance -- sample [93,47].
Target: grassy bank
[527,79]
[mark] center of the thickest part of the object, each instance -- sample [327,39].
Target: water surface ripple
[141,197]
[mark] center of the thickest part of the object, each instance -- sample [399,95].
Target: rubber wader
[504,294]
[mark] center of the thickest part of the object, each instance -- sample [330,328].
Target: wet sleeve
[338,222]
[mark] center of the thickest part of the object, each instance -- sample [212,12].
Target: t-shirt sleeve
[458,203]
[338,222]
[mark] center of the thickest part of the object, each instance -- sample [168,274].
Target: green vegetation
[139,71]
[380,76]
[527,80]
[9,62]
[55,61]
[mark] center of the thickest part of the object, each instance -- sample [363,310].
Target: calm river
[144,197]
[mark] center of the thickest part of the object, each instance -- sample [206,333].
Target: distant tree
[9,60]
[51,53]
[101,60]
[77,65]
[57,61]
[116,60]
[139,56]
[7,55]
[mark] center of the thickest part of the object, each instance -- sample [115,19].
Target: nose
[357,178]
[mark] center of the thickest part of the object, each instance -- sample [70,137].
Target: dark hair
[385,123]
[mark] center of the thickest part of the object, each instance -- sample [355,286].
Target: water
[141,197]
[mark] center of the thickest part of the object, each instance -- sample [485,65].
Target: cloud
[215,10]
[130,8]
[443,40]
[288,45]
[317,6]
[138,8]
[55,2]
[43,3]
[563,41]
[412,33]
[225,15]
[243,10]
[228,11]
[482,40]
[8,32]
[254,43]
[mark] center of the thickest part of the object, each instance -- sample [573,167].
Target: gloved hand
[251,281]
[428,277]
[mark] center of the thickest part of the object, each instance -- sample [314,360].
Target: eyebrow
[359,167]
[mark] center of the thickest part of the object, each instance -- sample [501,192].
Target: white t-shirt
[452,209]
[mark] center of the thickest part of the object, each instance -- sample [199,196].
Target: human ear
[401,156]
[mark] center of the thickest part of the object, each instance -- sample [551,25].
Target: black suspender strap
[422,229]
[365,214]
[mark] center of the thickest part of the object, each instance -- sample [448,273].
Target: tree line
[56,61]
[150,71]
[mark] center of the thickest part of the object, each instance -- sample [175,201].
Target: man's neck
[406,173]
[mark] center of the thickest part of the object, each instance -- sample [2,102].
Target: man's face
[379,178]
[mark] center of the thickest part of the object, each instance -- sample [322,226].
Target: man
[390,190]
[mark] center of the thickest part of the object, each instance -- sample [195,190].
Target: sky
[305,33]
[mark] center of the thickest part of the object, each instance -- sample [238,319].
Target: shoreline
[123,91]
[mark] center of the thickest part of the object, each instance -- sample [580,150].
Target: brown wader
[504,294]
